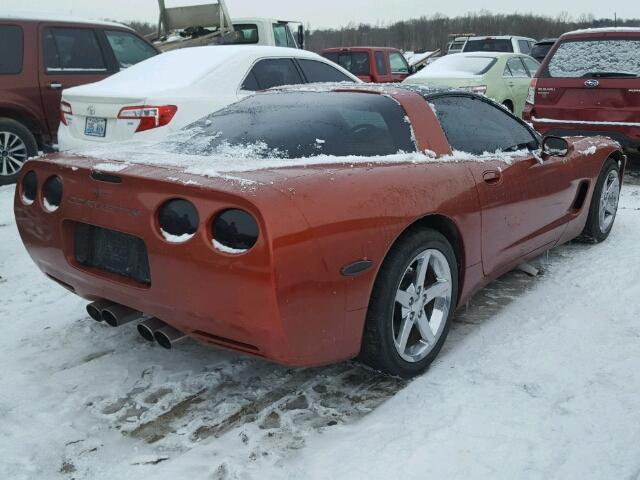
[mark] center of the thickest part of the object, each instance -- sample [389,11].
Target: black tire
[508,105]
[378,348]
[592,232]
[9,170]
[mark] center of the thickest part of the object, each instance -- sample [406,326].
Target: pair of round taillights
[51,191]
[233,231]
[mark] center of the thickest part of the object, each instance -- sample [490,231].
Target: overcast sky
[325,13]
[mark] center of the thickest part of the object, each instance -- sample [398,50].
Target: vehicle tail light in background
[65,109]
[479,89]
[531,96]
[150,117]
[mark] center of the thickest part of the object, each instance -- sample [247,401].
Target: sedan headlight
[234,231]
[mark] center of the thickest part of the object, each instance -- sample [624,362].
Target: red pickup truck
[40,57]
[371,64]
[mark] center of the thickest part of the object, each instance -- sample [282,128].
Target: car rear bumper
[253,303]
[625,133]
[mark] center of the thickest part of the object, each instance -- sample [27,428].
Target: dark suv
[39,58]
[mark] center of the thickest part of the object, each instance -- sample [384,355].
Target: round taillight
[52,193]
[29,187]
[235,231]
[178,220]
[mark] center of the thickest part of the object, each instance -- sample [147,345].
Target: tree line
[432,32]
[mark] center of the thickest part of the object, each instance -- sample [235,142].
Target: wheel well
[618,157]
[449,229]
[509,105]
[26,121]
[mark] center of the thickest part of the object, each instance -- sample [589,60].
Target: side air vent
[583,188]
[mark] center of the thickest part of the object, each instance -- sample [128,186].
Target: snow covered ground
[540,378]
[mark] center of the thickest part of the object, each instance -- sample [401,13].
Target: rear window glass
[356,62]
[489,45]
[301,124]
[592,58]
[12,42]
[245,33]
[456,64]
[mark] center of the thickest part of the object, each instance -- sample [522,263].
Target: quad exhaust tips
[168,336]
[116,315]
[147,328]
[95,309]
[155,329]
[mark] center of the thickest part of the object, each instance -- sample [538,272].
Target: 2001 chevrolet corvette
[353,224]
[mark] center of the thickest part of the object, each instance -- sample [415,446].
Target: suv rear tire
[17,145]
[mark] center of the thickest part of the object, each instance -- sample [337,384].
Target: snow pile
[224,249]
[177,238]
[536,382]
[576,59]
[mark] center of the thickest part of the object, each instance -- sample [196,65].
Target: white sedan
[167,92]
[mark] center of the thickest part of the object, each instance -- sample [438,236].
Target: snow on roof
[179,69]
[55,17]
[605,30]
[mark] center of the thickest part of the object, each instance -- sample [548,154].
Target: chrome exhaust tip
[94,309]
[116,315]
[167,336]
[147,328]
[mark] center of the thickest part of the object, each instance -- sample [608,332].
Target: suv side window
[475,126]
[12,41]
[128,48]
[381,64]
[398,63]
[274,72]
[316,71]
[525,46]
[72,50]
[517,68]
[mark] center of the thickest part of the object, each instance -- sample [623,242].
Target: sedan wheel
[604,204]
[412,303]
[609,201]
[423,301]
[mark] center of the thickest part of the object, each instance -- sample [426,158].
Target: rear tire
[17,145]
[604,204]
[412,304]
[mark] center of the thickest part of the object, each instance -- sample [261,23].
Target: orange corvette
[313,226]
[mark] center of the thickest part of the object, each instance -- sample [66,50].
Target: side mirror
[555,147]
[301,36]
[412,69]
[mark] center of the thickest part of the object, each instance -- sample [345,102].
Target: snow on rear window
[584,58]
[452,65]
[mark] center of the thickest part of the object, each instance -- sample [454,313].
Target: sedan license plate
[95,127]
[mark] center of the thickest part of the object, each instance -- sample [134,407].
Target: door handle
[55,86]
[492,177]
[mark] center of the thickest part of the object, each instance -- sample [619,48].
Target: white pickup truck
[210,24]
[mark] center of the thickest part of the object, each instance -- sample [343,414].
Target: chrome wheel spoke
[427,334]
[403,335]
[440,289]
[404,298]
[13,153]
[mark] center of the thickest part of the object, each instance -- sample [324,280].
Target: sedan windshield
[299,125]
[596,58]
